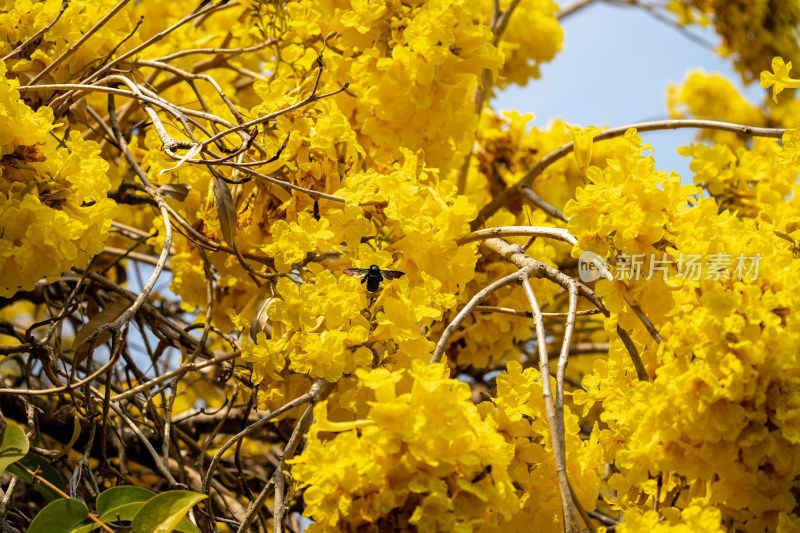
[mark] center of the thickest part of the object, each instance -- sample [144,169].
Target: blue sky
[614,69]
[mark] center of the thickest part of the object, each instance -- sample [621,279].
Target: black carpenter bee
[481,475]
[373,276]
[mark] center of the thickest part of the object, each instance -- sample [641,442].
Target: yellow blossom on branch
[582,139]
[779,78]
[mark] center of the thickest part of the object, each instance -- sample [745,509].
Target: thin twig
[37,478]
[562,360]
[279,502]
[215,51]
[474,302]
[572,9]
[560,234]
[160,466]
[527,314]
[175,372]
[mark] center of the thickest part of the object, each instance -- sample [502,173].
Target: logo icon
[591,267]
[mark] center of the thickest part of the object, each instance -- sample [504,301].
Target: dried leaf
[193,151]
[58,196]
[261,320]
[110,313]
[76,432]
[32,153]
[225,210]
[78,112]
[176,191]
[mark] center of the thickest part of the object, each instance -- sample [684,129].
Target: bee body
[373,276]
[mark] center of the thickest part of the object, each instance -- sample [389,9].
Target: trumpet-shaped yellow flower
[779,79]
[582,147]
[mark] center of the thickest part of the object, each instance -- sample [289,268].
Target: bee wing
[355,272]
[392,274]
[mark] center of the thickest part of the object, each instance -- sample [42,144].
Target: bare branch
[573,8]
[556,428]
[559,234]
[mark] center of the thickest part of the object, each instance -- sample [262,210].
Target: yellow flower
[790,151]
[53,206]
[695,518]
[423,455]
[582,148]
[779,78]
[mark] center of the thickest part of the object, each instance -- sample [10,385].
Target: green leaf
[118,504]
[60,516]
[126,513]
[186,526]
[123,513]
[121,504]
[119,496]
[36,462]
[164,512]
[13,445]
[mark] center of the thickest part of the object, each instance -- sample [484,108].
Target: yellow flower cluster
[22,19]
[324,325]
[693,519]
[629,209]
[318,326]
[507,150]
[412,67]
[752,31]
[533,37]
[744,180]
[53,206]
[423,457]
[519,409]
[717,423]
[270,222]
[720,416]
[713,97]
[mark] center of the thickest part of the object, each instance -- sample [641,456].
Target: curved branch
[218,51]
[503,198]
[474,302]
[556,428]
[572,9]
[188,367]
[512,254]
[559,234]
[308,397]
